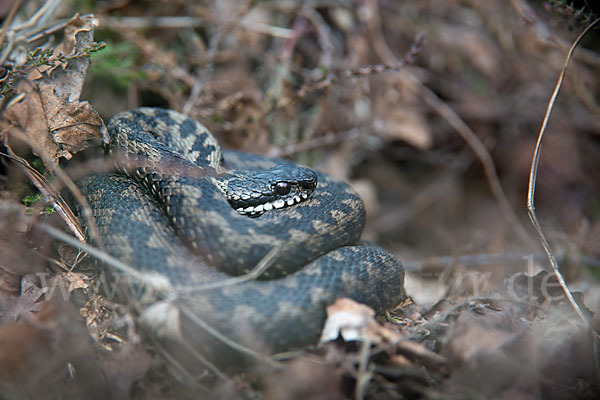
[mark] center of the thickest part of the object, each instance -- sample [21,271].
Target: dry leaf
[472,338]
[354,322]
[406,125]
[75,281]
[503,351]
[38,353]
[303,379]
[123,368]
[475,47]
[51,114]
[16,259]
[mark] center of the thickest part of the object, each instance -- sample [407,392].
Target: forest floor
[431,110]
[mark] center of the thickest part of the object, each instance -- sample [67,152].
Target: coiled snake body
[171,218]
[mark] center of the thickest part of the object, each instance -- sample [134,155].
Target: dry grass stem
[225,340]
[8,21]
[68,182]
[155,281]
[50,194]
[533,175]
[364,374]
[253,274]
[479,260]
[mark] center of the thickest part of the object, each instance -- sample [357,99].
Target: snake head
[256,192]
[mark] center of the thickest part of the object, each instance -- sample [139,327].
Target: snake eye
[282,188]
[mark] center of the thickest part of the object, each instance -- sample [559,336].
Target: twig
[426,197]
[7,50]
[478,148]
[323,35]
[187,22]
[68,182]
[257,271]
[13,11]
[318,142]
[375,31]
[49,31]
[364,71]
[224,339]
[531,203]
[42,14]
[10,31]
[215,42]
[50,194]
[275,31]
[364,374]
[212,367]
[533,176]
[165,353]
[485,259]
[154,281]
[153,22]
[161,285]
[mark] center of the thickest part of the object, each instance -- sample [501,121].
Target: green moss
[31,200]
[218,118]
[117,65]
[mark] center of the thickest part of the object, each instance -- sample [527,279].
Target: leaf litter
[489,330]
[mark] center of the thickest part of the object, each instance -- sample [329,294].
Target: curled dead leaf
[50,113]
[354,322]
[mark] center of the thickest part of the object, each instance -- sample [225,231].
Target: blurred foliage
[579,12]
[117,65]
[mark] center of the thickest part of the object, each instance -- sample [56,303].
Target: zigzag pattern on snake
[171,219]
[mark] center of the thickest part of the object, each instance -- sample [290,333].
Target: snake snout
[283,186]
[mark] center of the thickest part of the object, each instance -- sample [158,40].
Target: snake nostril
[307,186]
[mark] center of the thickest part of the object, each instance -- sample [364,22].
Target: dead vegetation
[430,109]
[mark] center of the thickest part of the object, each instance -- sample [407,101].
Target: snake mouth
[253,194]
[256,211]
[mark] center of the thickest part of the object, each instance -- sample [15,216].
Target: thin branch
[154,280]
[49,31]
[428,196]
[160,284]
[365,71]
[41,15]
[475,260]
[257,271]
[478,148]
[375,31]
[50,194]
[533,176]
[10,31]
[207,70]
[317,142]
[8,21]
[224,339]
[173,360]
[63,177]
[364,374]
[324,35]
[119,23]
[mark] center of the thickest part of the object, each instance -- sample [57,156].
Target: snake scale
[178,217]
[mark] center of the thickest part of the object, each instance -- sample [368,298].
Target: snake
[196,219]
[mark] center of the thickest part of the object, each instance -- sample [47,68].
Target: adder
[192,216]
